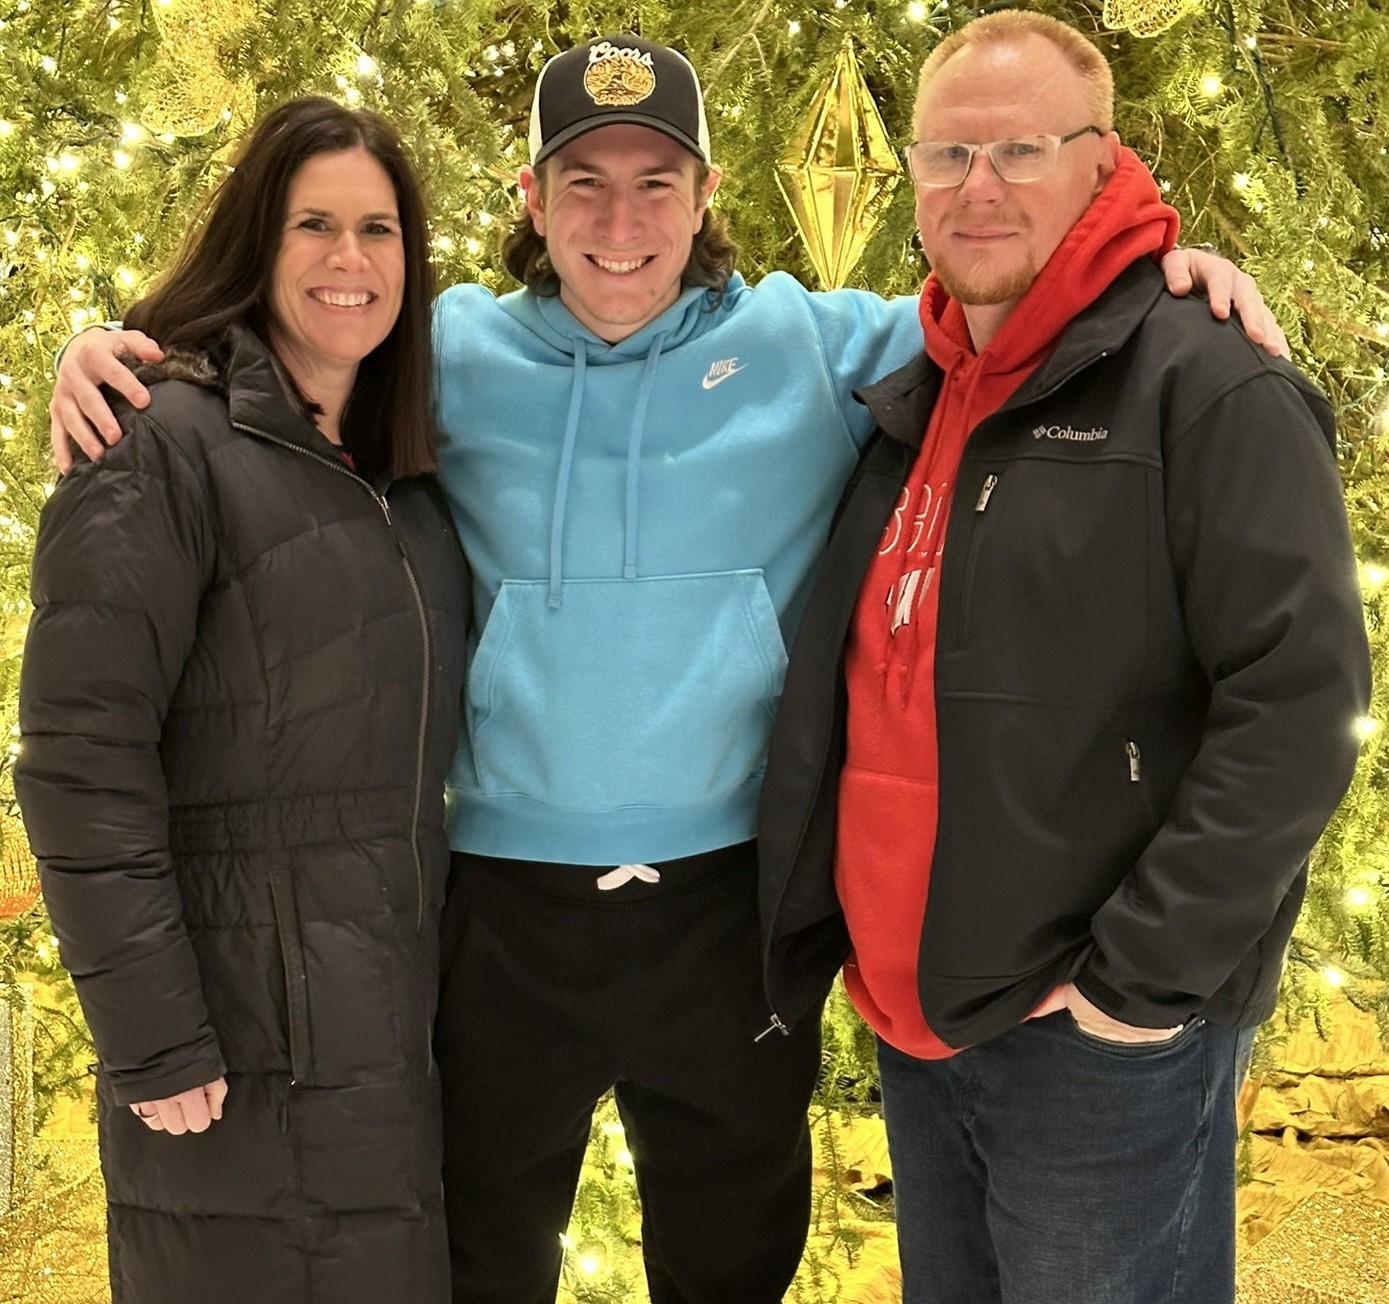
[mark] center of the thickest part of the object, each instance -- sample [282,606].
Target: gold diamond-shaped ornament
[839,172]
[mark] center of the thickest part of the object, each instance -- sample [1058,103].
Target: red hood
[1126,221]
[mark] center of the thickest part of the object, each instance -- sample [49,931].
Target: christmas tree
[1264,120]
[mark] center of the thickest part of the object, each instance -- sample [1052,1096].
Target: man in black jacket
[1058,777]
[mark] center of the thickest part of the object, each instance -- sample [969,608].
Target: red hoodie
[888,793]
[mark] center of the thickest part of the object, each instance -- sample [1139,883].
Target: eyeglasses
[942,163]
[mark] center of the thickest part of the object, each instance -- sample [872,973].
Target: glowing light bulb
[1212,85]
[590,1264]
[6,128]
[793,27]
[1357,898]
[1373,574]
[120,158]
[125,276]
[48,63]
[131,132]
[366,66]
[1365,726]
[1334,977]
[916,11]
[624,1157]
[1241,180]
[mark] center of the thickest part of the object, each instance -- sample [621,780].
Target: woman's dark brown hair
[224,272]
[710,264]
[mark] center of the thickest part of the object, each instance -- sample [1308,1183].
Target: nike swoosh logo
[710,381]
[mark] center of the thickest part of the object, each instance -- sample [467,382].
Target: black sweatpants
[555,991]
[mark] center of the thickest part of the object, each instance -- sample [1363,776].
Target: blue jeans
[1048,1167]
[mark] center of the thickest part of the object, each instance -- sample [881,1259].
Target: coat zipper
[776,1025]
[418,795]
[986,492]
[1135,761]
[981,505]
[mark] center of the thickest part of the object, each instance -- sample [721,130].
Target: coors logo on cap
[617,79]
[618,74]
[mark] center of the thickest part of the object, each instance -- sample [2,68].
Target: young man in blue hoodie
[642,453]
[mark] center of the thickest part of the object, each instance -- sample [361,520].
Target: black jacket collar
[901,401]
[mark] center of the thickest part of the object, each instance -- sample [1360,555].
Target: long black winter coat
[239,701]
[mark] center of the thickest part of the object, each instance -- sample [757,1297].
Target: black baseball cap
[617,79]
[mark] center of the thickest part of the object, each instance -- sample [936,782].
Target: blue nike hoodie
[642,519]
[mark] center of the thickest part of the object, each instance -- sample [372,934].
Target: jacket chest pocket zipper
[296,975]
[981,505]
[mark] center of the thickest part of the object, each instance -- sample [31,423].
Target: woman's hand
[190,1111]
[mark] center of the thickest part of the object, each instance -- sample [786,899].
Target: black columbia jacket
[239,700]
[1149,660]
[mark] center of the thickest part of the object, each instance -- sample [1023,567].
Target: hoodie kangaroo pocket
[639,692]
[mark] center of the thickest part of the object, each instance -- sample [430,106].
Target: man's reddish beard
[986,287]
[973,281]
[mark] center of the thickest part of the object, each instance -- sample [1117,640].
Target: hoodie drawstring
[566,463]
[634,438]
[566,466]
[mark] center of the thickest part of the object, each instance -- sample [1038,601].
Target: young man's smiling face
[618,209]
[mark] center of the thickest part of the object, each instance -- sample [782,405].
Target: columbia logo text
[1071,433]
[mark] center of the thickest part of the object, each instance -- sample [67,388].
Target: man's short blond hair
[1010,24]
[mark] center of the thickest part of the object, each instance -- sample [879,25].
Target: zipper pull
[990,481]
[776,1025]
[384,506]
[1135,768]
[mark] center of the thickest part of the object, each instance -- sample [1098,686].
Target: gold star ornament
[839,172]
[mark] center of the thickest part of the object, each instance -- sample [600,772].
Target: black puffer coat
[239,700]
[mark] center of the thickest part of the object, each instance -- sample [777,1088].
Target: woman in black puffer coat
[239,700]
